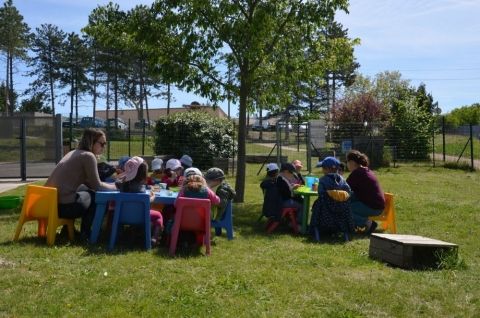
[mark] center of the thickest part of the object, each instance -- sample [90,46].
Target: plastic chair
[131,208]
[388,215]
[290,214]
[191,215]
[41,204]
[226,222]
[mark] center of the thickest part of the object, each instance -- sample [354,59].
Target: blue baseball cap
[328,162]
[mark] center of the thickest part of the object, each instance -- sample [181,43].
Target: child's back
[331,211]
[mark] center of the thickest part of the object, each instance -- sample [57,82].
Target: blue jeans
[361,212]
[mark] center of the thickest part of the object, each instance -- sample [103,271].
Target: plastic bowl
[9,202]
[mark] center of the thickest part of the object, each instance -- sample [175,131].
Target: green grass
[454,145]
[255,274]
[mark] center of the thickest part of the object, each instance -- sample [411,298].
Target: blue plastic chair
[131,208]
[101,200]
[226,222]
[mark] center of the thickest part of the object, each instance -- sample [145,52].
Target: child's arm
[214,199]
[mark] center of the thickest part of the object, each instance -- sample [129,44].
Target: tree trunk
[50,73]
[168,99]
[94,85]
[240,180]
[7,95]
[146,103]
[115,94]
[12,97]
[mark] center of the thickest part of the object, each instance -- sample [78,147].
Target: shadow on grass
[247,218]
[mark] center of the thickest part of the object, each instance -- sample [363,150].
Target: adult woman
[368,198]
[79,167]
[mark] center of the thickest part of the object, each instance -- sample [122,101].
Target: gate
[30,146]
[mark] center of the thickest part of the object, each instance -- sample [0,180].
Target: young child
[195,186]
[173,173]
[157,171]
[271,197]
[215,178]
[286,183]
[133,180]
[331,211]
[186,161]
[298,172]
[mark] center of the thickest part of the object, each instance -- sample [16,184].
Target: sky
[436,42]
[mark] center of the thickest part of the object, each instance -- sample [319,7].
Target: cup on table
[163,186]
[156,188]
[309,181]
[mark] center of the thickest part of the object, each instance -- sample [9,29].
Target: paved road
[439,158]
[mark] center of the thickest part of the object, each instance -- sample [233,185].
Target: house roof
[155,113]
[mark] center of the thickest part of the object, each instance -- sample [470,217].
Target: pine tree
[14,41]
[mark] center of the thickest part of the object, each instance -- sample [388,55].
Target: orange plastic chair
[191,215]
[388,215]
[40,204]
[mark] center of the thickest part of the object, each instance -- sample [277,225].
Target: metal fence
[385,144]
[30,146]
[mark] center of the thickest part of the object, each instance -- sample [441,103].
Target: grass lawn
[255,274]
[454,144]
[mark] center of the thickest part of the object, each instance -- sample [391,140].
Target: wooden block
[409,251]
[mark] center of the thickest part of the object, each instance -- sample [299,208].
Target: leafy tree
[464,115]
[411,130]
[256,40]
[35,104]
[74,64]
[105,27]
[14,41]
[47,48]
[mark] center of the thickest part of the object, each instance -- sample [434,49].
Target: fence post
[433,144]
[443,137]
[471,147]
[279,143]
[129,132]
[143,137]
[23,150]
[58,137]
[309,149]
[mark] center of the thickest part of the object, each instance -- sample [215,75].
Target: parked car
[66,124]
[148,124]
[121,124]
[265,126]
[89,122]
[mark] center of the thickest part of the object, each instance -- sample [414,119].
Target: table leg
[97,221]
[306,208]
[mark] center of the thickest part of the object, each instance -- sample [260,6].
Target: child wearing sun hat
[133,180]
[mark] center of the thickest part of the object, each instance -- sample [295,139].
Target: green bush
[200,135]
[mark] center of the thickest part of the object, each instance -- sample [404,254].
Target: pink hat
[131,168]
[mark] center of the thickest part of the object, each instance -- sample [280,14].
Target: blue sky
[436,42]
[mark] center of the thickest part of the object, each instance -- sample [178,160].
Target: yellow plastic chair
[388,215]
[40,204]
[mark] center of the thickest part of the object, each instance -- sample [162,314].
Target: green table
[306,193]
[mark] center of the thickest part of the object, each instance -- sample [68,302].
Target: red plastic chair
[191,215]
[289,213]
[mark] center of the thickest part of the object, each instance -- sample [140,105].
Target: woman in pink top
[79,167]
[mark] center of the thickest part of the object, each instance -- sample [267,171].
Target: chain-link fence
[31,146]
[383,142]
